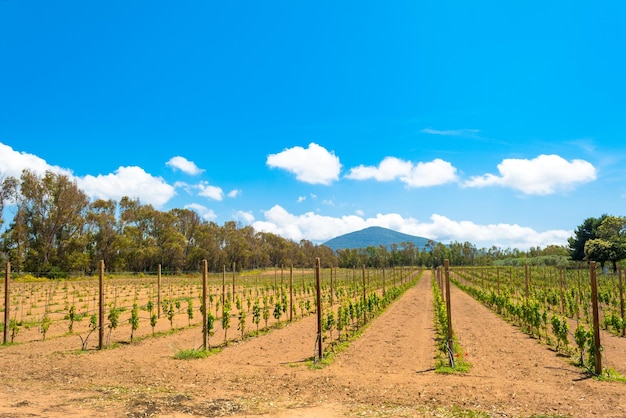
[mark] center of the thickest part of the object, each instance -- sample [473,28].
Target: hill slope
[373,237]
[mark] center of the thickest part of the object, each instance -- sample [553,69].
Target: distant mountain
[373,237]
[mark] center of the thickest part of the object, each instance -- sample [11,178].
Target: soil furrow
[388,371]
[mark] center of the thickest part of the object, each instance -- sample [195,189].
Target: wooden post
[233,295]
[596,318]
[364,295]
[318,288]
[7,303]
[291,293]
[442,283]
[446,264]
[621,301]
[205,328]
[224,285]
[159,292]
[101,308]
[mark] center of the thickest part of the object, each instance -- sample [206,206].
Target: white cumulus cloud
[314,165]
[184,165]
[433,173]
[132,182]
[422,174]
[543,175]
[12,163]
[390,168]
[212,192]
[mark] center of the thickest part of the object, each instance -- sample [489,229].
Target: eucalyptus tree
[469,253]
[206,245]
[408,253]
[395,256]
[15,241]
[372,256]
[438,254]
[383,256]
[306,253]
[54,211]
[258,256]
[170,242]
[275,246]
[8,194]
[233,245]
[348,257]
[295,253]
[248,236]
[138,244]
[187,222]
[104,235]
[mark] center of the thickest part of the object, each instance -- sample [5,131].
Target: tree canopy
[601,240]
[56,230]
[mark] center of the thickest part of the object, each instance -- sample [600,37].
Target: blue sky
[498,123]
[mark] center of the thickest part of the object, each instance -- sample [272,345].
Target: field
[387,369]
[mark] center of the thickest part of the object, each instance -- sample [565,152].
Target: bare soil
[389,371]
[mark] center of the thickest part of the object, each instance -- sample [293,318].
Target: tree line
[54,229]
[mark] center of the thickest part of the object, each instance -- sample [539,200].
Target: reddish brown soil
[388,371]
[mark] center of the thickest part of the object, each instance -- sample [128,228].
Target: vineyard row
[125,309]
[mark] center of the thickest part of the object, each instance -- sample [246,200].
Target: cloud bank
[133,182]
[12,163]
[319,229]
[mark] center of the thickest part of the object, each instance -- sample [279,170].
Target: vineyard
[245,304]
[519,331]
[556,306]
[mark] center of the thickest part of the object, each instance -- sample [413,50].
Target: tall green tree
[137,241]
[104,233]
[186,223]
[170,242]
[588,230]
[54,211]
[612,231]
[599,250]
[8,194]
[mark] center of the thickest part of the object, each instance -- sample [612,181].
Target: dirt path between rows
[514,374]
[388,371]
